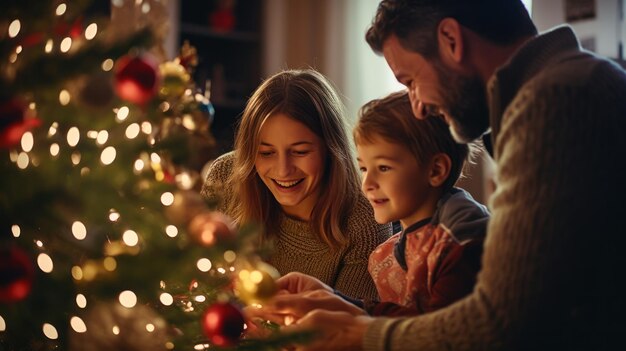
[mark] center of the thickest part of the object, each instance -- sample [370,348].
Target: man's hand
[339,331]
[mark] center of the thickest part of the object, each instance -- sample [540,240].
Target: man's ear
[450,38]
[439,169]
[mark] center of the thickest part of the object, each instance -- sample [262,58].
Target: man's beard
[465,102]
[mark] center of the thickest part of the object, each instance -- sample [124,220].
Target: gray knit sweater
[553,265]
[297,248]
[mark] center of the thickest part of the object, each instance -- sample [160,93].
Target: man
[552,267]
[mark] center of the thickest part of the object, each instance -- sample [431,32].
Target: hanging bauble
[256,283]
[211,227]
[186,205]
[206,107]
[14,123]
[96,90]
[223,323]
[175,79]
[111,326]
[136,78]
[16,275]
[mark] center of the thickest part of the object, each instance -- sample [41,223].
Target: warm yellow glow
[50,331]
[167,198]
[38,243]
[91,31]
[128,299]
[45,263]
[102,138]
[75,157]
[3,324]
[90,271]
[171,231]
[61,9]
[22,160]
[81,301]
[185,180]
[84,171]
[66,44]
[110,264]
[16,230]
[73,136]
[150,327]
[139,165]
[132,131]
[155,158]
[14,28]
[146,127]
[113,215]
[200,298]
[169,345]
[64,97]
[115,330]
[166,299]
[189,123]
[78,325]
[122,113]
[54,149]
[230,256]
[92,134]
[18,49]
[204,265]
[13,58]
[53,129]
[77,273]
[107,65]
[130,238]
[79,230]
[49,46]
[27,141]
[108,155]
[145,8]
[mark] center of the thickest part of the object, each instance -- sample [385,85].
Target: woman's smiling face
[290,162]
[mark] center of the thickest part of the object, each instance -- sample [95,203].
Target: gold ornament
[256,283]
[174,79]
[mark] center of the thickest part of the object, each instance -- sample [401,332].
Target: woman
[293,171]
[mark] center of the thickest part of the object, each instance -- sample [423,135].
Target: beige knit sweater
[297,248]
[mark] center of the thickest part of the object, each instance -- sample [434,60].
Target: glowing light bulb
[108,155]
[79,230]
[167,198]
[122,113]
[14,28]
[204,265]
[73,136]
[78,325]
[61,9]
[16,230]
[66,44]
[50,331]
[128,299]
[130,238]
[45,263]
[91,31]
[171,231]
[81,301]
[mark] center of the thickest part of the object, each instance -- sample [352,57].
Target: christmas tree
[105,242]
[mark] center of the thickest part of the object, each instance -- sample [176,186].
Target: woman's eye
[362,169]
[301,152]
[383,168]
[265,153]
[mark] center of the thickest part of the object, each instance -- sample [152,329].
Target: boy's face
[396,186]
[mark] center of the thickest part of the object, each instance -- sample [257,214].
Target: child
[409,168]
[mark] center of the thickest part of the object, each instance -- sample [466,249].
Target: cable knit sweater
[553,263]
[297,248]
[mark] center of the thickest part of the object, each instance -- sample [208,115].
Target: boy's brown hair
[391,118]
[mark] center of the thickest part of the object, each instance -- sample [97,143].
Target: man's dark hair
[415,22]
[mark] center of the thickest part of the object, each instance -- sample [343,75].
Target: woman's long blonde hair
[309,98]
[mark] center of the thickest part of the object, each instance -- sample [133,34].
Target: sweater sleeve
[530,293]
[353,278]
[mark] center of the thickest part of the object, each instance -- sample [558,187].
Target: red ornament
[13,123]
[223,323]
[210,227]
[136,78]
[16,275]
